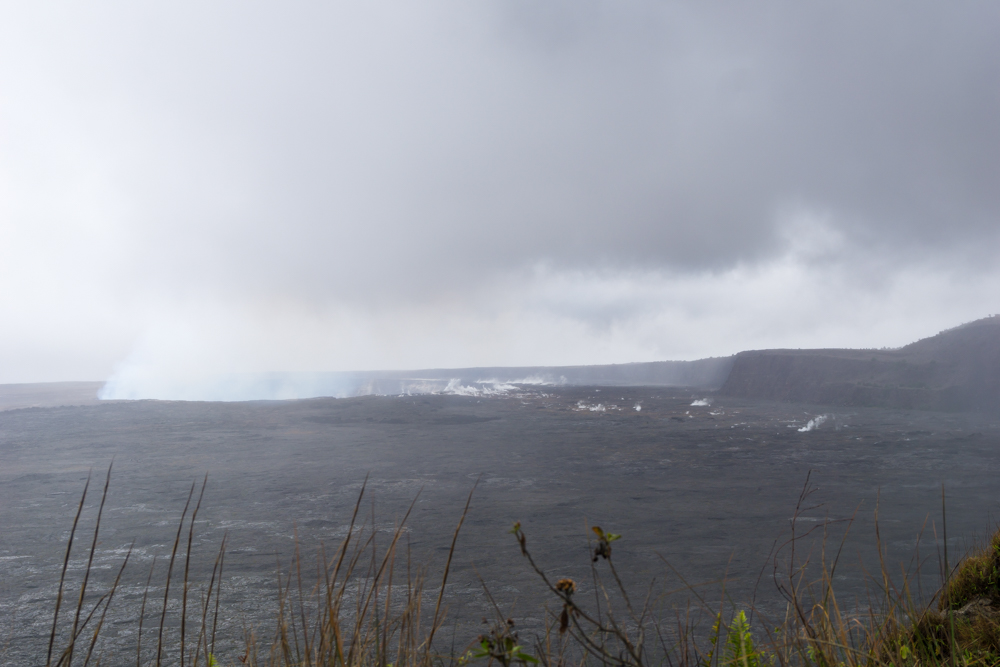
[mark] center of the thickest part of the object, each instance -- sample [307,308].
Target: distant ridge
[48,394]
[956,370]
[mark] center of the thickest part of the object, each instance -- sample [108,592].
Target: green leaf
[520,656]
[740,650]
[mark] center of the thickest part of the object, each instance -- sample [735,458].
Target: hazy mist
[189,189]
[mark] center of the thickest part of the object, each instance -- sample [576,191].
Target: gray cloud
[450,161]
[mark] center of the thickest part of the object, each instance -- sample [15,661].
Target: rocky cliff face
[958,369]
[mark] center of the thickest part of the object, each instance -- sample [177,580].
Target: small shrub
[739,648]
[978,576]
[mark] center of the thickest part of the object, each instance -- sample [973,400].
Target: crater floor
[709,488]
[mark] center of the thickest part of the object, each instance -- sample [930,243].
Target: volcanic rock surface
[958,369]
[709,486]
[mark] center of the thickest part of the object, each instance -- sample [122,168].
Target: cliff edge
[956,370]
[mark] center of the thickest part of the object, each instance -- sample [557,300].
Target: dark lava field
[707,488]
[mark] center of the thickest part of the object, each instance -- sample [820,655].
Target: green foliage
[713,641]
[936,637]
[604,540]
[978,576]
[739,644]
[739,649]
[607,537]
[500,645]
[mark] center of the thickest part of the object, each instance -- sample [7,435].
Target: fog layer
[252,186]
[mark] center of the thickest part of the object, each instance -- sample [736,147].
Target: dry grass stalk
[354,616]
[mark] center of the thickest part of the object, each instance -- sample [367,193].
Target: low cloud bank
[449,184]
[288,386]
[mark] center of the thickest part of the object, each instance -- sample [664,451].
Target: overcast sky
[192,187]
